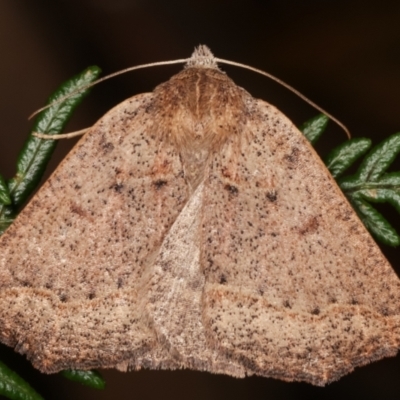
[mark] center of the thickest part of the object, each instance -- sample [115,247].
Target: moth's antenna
[123,71]
[59,136]
[287,86]
[201,57]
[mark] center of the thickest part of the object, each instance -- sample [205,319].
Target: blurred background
[344,55]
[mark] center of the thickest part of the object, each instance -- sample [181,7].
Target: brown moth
[196,227]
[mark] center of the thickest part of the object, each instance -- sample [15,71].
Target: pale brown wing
[74,264]
[295,286]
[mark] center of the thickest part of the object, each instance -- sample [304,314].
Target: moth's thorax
[197,110]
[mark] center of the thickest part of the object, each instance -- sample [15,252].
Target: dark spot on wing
[315,311]
[272,195]
[160,183]
[233,190]
[117,187]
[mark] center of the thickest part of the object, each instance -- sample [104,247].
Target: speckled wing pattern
[295,286]
[195,227]
[75,260]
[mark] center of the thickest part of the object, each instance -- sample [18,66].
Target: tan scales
[196,227]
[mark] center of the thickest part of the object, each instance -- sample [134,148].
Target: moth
[195,227]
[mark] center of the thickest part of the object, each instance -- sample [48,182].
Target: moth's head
[202,58]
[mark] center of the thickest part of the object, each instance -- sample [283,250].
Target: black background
[344,55]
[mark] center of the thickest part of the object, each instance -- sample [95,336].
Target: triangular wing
[295,286]
[75,262]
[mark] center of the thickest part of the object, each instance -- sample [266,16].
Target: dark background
[344,55]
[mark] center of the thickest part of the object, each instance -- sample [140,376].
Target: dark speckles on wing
[294,252]
[232,190]
[117,187]
[158,184]
[293,157]
[98,226]
[272,195]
